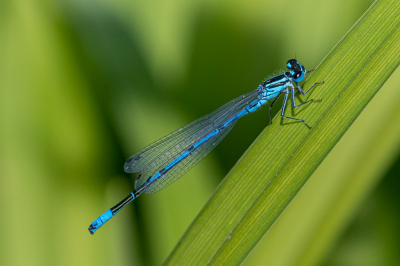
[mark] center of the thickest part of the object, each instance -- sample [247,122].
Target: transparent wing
[171,146]
[186,164]
[180,145]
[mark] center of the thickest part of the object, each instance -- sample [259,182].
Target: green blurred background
[86,83]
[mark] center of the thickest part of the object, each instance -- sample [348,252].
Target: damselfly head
[296,70]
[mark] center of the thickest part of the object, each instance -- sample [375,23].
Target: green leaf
[285,155]
[332,197]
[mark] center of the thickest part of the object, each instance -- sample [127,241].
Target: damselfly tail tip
[100,221]
[92,229]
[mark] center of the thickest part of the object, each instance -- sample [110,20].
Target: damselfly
[170,157]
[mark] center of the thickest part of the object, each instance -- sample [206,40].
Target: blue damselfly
[164,161]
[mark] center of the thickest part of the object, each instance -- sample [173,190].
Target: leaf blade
[272,171]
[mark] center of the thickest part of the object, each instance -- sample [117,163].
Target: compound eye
[297,75]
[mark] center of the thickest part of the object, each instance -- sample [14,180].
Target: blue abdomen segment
[100,221]
[110,213]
